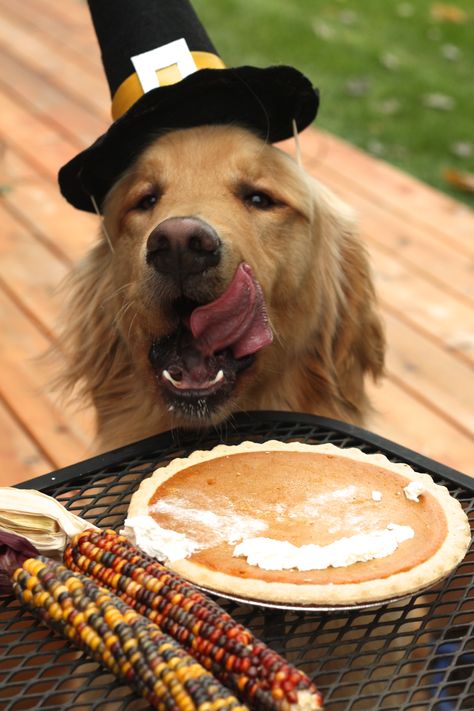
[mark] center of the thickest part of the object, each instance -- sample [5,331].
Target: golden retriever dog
[226,279]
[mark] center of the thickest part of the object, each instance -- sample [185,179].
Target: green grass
[376,63]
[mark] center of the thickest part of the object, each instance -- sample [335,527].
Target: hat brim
[265,101]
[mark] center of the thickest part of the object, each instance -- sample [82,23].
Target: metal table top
[414,654]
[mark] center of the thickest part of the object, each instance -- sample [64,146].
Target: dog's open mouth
[198,365]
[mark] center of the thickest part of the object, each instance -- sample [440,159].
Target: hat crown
[126,29]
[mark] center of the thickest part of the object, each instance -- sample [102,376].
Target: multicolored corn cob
[119,638]
[257,674]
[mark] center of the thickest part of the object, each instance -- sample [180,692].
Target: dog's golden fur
[312,268]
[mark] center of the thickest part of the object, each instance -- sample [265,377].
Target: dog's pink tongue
[237,319]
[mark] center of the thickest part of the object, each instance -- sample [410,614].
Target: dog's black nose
[182,246]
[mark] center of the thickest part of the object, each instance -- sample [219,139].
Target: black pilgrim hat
[164,74]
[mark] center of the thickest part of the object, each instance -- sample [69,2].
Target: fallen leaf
[389,60]
[376,147]
[399,152]
[358,86]
[388,107]
[440,102]
[322,30]
[450,52]
[448,13]
[405,9]
[462,149]
[462,181]
[434,34]
[348,17]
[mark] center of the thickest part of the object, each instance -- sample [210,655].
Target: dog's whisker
[273,328]
[122,311]
[117,291]
[131,323]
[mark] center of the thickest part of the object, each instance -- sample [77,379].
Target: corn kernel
[31,582]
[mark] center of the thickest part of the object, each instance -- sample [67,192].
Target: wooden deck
[54,101]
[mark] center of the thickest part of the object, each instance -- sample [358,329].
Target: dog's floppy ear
[350,340]
[92,352]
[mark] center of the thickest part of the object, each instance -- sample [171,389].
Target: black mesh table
[417,653]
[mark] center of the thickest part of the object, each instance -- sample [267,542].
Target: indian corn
[257,674]
[119,638]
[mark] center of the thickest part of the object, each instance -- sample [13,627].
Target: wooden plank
[32,139]
[408,242]
[435,377]
[20,458]
[13,169]
[71,76]
[59,21]
[398,192]
[64,114]
[404,419]
[61,434]
[424,306]
[29,271]
[73,14]
[37,203]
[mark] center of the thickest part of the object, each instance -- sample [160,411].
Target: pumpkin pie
[298,524]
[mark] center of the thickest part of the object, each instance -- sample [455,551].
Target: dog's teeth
[167,376]
[177,384]
[170,408]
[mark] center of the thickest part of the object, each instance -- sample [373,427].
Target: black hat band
[165,65]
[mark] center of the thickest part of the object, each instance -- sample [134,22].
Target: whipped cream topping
[267,553]
[413,490]
[157,542]
[211,528]
[270,554]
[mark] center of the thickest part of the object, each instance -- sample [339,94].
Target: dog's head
[211,232]
[231,274]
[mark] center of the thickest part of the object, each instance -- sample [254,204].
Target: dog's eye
[147,202]
[259,199]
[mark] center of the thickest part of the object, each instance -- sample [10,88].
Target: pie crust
[304,494]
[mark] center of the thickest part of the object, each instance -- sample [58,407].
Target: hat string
[296,137]
[102,224]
